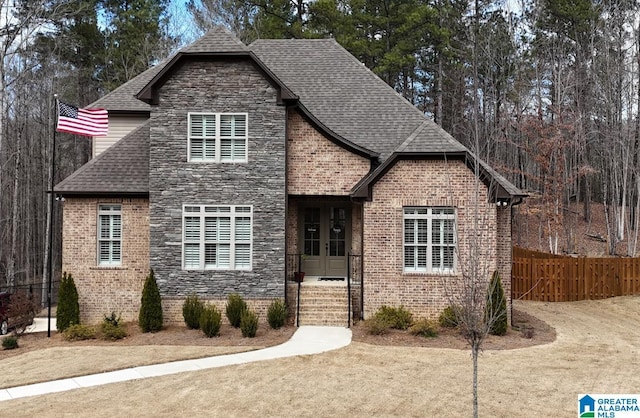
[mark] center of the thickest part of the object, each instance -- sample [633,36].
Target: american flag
[86,122]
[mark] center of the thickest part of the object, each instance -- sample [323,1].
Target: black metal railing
[294,273]
[354,288]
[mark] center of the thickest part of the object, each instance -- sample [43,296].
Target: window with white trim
[218,137]
[109,235]
[217,237]
[429,239]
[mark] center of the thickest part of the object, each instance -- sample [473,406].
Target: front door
[325,237]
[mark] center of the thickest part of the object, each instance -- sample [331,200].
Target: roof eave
[334,137]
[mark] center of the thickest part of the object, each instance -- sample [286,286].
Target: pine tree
[68,311]
[150,316]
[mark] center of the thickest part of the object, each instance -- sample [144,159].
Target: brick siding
[317,166]
[427,183]
[102,290]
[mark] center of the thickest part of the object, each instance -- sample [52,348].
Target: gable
[318,166]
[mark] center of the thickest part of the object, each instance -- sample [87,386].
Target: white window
[109,235]
[218,137]
[217,237]
[429,239]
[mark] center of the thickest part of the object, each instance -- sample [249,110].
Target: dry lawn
[596,351]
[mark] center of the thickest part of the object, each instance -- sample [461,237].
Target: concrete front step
[322,305]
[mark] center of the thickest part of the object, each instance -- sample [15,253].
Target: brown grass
[596,351]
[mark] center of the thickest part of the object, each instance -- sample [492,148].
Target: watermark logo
[608,406]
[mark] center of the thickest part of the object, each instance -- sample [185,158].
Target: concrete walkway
[306,340]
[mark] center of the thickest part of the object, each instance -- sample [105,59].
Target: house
[228,167]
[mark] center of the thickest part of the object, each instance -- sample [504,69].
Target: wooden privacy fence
[554,278]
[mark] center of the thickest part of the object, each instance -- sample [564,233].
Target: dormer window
[218,137]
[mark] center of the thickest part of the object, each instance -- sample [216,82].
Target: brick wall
[102,290]
[317,166]
[425,183]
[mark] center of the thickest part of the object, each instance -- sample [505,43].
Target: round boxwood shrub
[10,342]
[210,321]
[448,318]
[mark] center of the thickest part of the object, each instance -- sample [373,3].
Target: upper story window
[218,137]
[429,239]
[217,237]
[109,235]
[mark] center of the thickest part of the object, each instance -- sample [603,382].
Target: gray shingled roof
[123,168]
[347,97]
[337,91]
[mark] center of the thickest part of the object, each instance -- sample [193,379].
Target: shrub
[398,318]
[22,310]
[496,309]
[210,321]
[249,323]
[424,328]
[10,342]
[376,325]
[112,328]
[191,311]
[448,318]
[79,332]
[113,319]
[150,316]
[112,332]
[277,314]
[235,307]
[68,311]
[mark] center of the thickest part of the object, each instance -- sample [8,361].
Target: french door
[325,235]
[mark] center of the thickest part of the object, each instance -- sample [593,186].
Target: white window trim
[217,138]
[202,214]
[109,212]
[429,216]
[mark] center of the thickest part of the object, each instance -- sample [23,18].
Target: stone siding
[218,86]
[425,183]
[102,290]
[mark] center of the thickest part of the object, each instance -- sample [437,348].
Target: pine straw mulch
[178,335]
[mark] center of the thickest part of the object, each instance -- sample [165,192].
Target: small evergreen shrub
[79,332]
[210,321]
[424,328]
[112,319]
[10,342]
[496,309]
[68,310]
[447,318]
[249,323]
[397,318]
[150,316]
[376,325]
[112,328]
[235,307]
[277,314]
[192,310]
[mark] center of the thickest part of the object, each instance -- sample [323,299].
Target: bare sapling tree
[468,290]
